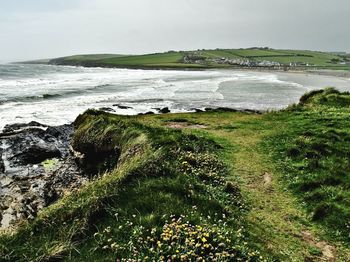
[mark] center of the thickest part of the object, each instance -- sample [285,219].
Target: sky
[31,29]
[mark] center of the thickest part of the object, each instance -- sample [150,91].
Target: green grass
[313,153]
[143,60]
[322,60]
[287,56]
[246,188]
[91,57]
[159,188]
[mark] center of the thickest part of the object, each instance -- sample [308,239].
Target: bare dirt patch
[328,251]
[267,179]
[180,125]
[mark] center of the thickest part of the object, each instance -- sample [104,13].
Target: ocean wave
[55,95]
[50,96]
[145,100]
[30,98]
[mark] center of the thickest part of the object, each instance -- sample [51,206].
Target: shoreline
[305,80]
[38,164]
[324,72]
[321,72]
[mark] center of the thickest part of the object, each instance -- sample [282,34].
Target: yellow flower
[204,239]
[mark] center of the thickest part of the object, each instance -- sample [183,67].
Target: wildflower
[222,245]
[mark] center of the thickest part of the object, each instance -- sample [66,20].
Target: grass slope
[164,60]
[167,197]
[172,59]
[226,186]
[313,153]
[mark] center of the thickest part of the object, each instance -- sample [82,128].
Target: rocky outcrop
[164,110]
[37,153]
[107,109]
[228,109]
[21,126]
[122,106]
[2,165]
[36,169]
[26,144]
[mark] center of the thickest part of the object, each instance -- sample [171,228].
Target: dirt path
[274,217]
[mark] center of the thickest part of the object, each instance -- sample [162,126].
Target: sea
[56,95]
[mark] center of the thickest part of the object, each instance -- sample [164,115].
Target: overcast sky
[50,28]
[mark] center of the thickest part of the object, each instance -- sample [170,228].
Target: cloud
[32,29]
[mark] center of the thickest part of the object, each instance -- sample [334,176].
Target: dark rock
[220,109]
[122,107]
[164,110]
[50,194]
[2,165]
[37,153]
[63,132]
[33,145]
[147,113]
[16,127]
[107,109]
[227,109]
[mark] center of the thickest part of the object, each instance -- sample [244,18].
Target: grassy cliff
[212,186]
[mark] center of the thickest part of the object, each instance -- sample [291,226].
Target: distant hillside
[38,61]
[218,58]
[81,59]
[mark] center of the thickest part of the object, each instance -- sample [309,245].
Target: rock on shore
[36,168]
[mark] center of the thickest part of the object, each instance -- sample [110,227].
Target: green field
[299,58]
[91,57]
[211,186]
